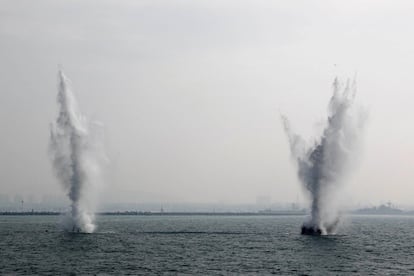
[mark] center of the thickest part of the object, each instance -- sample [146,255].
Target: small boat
[314,231]
[75,229]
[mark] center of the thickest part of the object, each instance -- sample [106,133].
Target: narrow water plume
[75,160]
[323,165]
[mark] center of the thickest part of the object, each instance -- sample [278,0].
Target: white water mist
[75,159]
[323,165]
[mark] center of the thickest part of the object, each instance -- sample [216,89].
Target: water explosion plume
[74,158]
[323,165]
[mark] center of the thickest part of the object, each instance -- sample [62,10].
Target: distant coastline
[147,213]
[382,210]
[366,211]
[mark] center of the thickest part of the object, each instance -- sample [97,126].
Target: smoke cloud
[75,158]
[323,165]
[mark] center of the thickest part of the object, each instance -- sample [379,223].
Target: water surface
[368,245]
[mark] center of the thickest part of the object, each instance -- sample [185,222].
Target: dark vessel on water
[315,231]
[320,229]
[76,229]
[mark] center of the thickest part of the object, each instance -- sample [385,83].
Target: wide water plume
[323,165]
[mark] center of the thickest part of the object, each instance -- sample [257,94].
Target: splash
[74,159]
[323,165]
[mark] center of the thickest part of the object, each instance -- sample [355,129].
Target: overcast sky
[190,92]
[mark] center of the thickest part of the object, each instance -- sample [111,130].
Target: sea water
[206,245]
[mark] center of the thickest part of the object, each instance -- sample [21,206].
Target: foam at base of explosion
[79,224]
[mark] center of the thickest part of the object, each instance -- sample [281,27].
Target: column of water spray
[74,159]
[323,165]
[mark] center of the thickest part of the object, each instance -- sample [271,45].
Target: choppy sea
[206,245]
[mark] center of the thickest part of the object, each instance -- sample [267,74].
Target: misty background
[189,93]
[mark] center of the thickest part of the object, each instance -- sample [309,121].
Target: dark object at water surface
[75,229]
[311,231]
